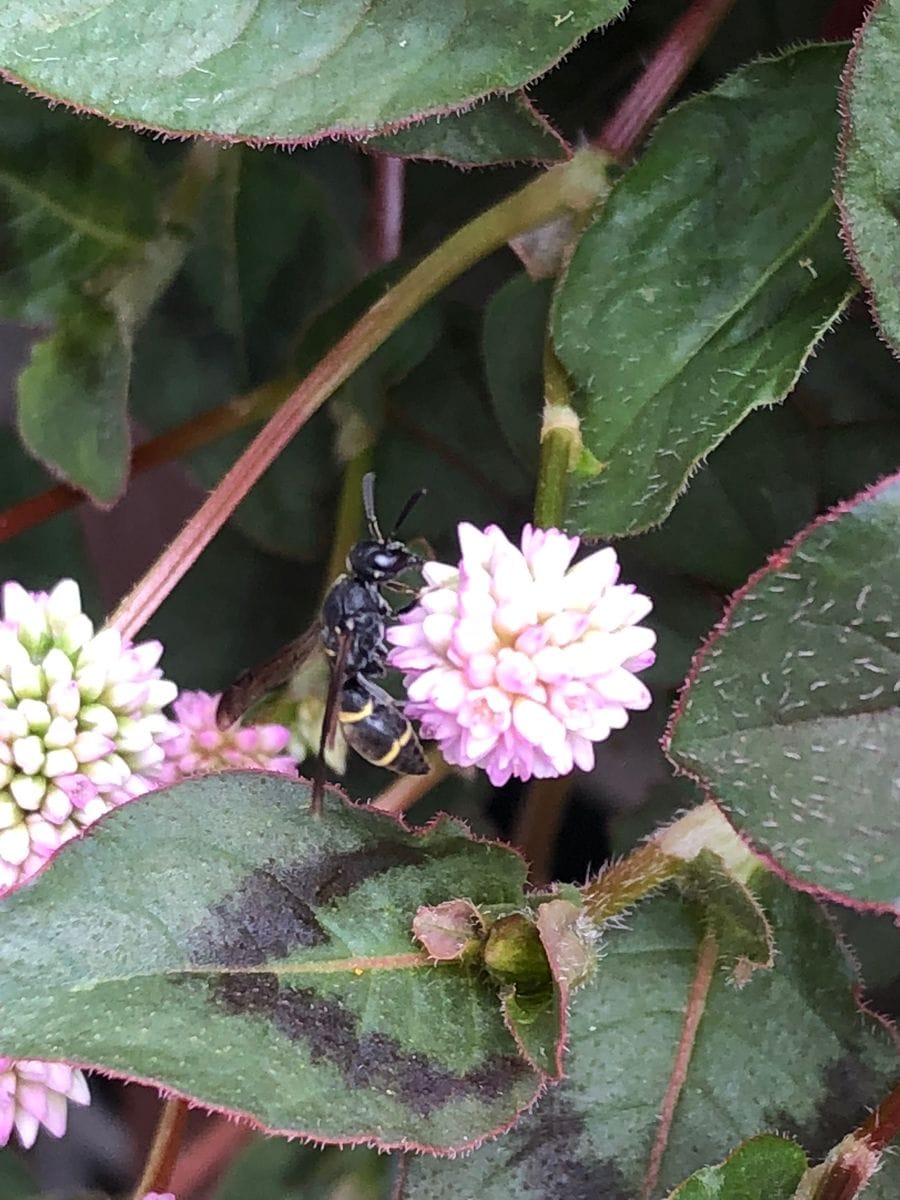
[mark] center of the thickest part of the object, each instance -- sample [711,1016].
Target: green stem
[654,863]
[560,445]
[575,185]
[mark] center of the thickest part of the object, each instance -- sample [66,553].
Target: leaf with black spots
[789,1052]
[215,939]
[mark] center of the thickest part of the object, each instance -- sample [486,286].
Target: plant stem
[672,60]
[387,210]
[623,883]
[693,1014]
[560,444]
[406,791]
[164,1150]
[655,862]
[199,431]
[537,825]
[573,185]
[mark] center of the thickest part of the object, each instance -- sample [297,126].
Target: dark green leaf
[515,330]
[765,1168]
[76,197]
[728,910]
[274,974]
[286,72]
[275,1169]
[869,184]
[791,716]
[790,1052]
[757,489]
[89,260]
[52,550]
[73,398]
[503,129]
[15,1181]
[713,270]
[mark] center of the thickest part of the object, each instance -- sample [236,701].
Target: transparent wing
[250,686]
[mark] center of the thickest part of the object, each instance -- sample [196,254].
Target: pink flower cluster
[33,1094]
[199,746]
[517,661]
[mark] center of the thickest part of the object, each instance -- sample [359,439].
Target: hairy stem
[164,1150]
[671,61]
[696,1005]
[573,185]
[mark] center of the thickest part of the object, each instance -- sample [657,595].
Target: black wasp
[351,630]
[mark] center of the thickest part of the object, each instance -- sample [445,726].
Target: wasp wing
[338,664]
[250,686]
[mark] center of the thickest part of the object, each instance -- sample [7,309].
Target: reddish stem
[164,1150]
[696,1006]
[208,1156]
[387,209]
[174,443]
[672,60]
[884,1124]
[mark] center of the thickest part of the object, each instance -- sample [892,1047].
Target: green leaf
[75,198]
[515,329]
[789,1052]
[286,72]
[50,551]
[713,270]
[869,182]
[757,489]
[791,715]
[73,398]
[728,910]
[765,1168]
[503,129]
[15,1180]
[274,973]
[89,260]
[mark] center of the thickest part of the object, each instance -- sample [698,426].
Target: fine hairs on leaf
[605,905]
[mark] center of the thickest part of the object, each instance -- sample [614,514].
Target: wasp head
[376,561]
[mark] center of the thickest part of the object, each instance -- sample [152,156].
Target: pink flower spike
[197,745]
[517,661]
[160,1196]
[34,1094]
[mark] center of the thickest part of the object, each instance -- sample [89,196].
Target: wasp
[351,630]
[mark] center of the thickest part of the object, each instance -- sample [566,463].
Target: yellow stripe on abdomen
[350,718]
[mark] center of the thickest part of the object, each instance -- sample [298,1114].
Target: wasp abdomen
[377,730]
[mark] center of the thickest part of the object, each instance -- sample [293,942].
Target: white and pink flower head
[35,1094]
[80,722]
[517,661]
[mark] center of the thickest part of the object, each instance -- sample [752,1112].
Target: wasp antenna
[407,509]
[368,489]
